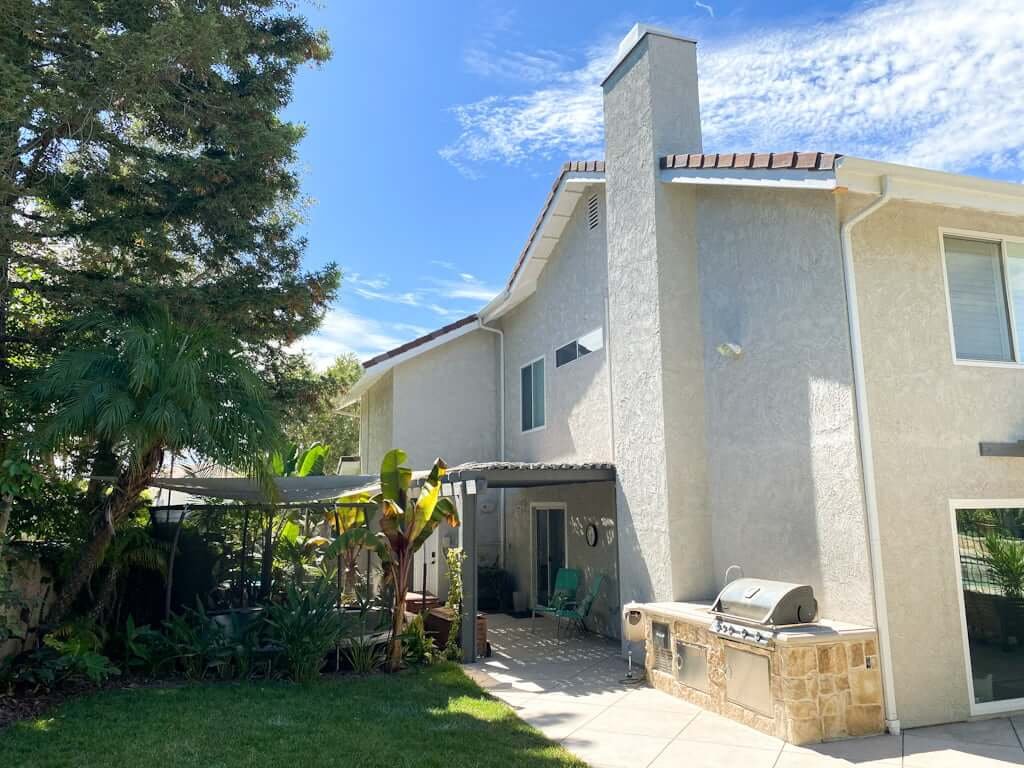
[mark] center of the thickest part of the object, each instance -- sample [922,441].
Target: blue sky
[434,133]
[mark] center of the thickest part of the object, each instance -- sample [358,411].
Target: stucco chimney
[651,109]
[655,73]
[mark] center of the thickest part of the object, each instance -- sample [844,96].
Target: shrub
[417,649]
[196,644]
[307,625]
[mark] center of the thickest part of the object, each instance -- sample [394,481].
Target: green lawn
[433,717]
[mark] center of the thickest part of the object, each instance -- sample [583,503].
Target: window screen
[981,328]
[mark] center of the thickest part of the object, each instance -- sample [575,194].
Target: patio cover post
[466,492]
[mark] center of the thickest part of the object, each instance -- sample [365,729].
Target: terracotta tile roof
[573,166]
[797,161]
[420,341]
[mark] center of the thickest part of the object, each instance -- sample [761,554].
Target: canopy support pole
[466,493]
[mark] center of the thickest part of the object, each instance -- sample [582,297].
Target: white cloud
[927,82]
[344,332]
[705,7]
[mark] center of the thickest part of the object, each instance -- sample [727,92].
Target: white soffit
[933,187]
[775,178]
[556,218]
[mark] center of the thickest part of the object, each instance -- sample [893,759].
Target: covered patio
[543,508]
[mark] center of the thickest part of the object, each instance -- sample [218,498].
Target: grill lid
[767,602]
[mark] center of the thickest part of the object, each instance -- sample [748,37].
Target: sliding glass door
[990,546]
[549,550]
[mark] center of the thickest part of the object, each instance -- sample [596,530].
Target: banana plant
[350,523]
[405,525]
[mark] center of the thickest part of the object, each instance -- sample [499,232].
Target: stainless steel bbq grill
[752,610]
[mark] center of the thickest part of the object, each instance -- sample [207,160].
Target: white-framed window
[531,377]
[985,286]
[577,348]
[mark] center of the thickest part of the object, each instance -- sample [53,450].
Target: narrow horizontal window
[584,345]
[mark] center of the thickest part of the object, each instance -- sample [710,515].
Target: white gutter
[501,432]
[892,721]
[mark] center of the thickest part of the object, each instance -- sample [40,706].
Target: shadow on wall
[784,486]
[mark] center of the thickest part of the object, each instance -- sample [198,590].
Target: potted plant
[1004,559]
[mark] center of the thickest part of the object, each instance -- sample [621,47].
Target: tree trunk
[6,504]
[131,482]
[106,593]
[401,573]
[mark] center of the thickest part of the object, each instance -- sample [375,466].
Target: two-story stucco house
[805,364]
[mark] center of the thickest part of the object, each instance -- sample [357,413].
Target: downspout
[892,721]
[501,432]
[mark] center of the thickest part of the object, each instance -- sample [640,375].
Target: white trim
[776,178]
[867,460]
[571,188]
[1002,706]
[534,507]
[1001,241]
[544,393]
[935,187]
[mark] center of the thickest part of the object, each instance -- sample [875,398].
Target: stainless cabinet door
[692,666]
[748,680]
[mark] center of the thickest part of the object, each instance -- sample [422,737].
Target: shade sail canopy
[289,489]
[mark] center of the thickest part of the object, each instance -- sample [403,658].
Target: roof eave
[376,371]
[557,213]
[921,185]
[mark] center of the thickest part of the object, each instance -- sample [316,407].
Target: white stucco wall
[784,486]
[376,423]
[446,405]
[442,403]
[927,418]
[568,302]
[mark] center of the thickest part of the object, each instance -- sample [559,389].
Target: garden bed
[430,717]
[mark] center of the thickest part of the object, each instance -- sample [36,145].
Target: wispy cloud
[705,7]
[344,331]
[433,294]
[926,82]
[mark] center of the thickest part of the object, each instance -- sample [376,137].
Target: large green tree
[324,420]
[146,171]
[143,159]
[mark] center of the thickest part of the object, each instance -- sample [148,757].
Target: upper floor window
[532,377]
[584,345]
[986,297]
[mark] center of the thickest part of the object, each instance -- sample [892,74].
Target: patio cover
[290,489]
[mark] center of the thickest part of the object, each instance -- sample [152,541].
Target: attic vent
[593,214]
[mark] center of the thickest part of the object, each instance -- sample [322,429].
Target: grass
[431,717]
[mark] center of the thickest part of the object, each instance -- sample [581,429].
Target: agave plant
[405,525]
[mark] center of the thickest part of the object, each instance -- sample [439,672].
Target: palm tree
[144,385]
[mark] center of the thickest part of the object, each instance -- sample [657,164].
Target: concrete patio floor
[571,690]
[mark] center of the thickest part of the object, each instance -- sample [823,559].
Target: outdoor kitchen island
[804,683]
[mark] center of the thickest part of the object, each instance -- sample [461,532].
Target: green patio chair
[575,614]
[567,581]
